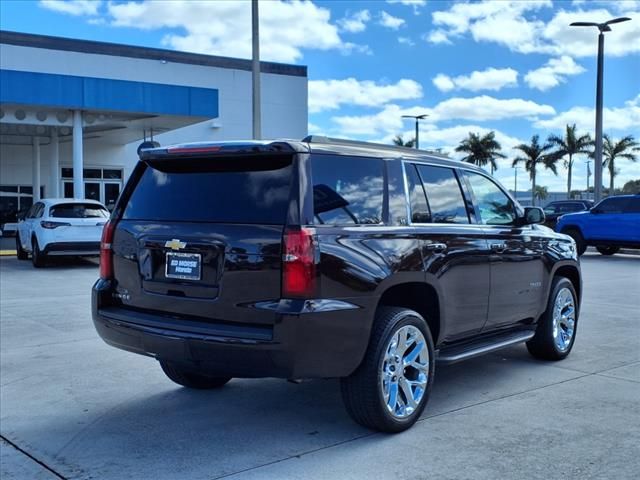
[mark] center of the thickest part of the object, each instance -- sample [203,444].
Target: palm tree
[541,192]
[614,150]
[534,155]
[481,150]
[398,140]
[571,144]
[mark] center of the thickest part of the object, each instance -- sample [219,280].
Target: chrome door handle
[437,247]
[498,247]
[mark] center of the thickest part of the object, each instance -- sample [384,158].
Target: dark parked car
[611,224]
[325,258]
[555,210]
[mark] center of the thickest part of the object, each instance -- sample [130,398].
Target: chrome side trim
[457,355]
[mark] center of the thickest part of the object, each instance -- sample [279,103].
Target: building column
[78,184]
[35,173]
[54,171]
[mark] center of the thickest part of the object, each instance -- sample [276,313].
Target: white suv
[61,226]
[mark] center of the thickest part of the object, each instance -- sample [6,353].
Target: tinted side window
[444,196]
[574,207]
[39,210]
[494,205]
[417,200]
[612,205]
[552,208]
[31,212]
[633,205]
[347,190]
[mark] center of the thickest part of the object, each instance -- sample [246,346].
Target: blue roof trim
[86,93]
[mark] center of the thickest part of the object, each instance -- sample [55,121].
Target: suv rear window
[252,190]
[78,210]
[347,190]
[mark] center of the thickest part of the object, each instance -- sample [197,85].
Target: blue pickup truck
[611,224]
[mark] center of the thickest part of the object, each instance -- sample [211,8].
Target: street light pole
[255,70]
[515,181]
[588,175]
[417,117]
[597,162]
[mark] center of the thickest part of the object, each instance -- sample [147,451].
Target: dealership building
[73,113]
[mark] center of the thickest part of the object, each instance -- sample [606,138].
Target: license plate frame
[195,273]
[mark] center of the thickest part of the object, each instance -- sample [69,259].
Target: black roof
[121,50]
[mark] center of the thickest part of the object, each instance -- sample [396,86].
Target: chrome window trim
[408,200]
[517,210]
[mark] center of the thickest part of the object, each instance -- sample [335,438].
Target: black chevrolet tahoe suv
[328,258]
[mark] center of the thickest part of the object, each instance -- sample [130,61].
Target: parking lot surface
[73,407]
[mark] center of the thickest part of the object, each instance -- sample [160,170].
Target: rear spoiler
[226,149]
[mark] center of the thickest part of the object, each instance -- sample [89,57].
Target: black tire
[362,390]
[191,379]
[21,253]
[543,345]
[581,244]
[608,250]
[38,258]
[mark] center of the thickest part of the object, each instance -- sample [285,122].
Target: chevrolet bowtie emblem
[175,244]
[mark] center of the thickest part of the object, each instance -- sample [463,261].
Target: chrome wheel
[404,372]
[564,319]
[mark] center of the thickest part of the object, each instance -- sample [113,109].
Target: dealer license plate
[186,266]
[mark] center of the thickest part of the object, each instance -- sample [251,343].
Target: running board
[457,353]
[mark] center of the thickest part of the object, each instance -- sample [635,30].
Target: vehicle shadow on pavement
[253,422]
[60,263]
[633,255]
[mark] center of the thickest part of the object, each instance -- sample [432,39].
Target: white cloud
[356,22]
[624,119]
[553,73]
[389,21]
[72,7]
[514,24]
[624,39]
[386,121]
[415,4]
[443,82]
[482,108]
[438,37]
[489,79]
[418,3]
[314,129]
[224,28]
[501,22]
[331,94]
[406,41]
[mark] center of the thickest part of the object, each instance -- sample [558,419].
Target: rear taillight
[106,253]
[50,225]
[298,263]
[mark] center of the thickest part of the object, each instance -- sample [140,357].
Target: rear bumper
[72,248]
[314,343]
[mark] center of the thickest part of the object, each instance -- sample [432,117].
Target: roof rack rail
[360,143]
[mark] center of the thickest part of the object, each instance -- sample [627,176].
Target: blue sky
[514,67]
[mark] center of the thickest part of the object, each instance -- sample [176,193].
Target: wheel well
[420,297]
[568,228]
[574,277]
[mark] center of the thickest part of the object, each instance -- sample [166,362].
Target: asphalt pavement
[72,407]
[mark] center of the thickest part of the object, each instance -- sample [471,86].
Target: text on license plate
[187,266]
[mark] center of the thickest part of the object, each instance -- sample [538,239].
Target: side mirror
[533,215]
[595,210]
